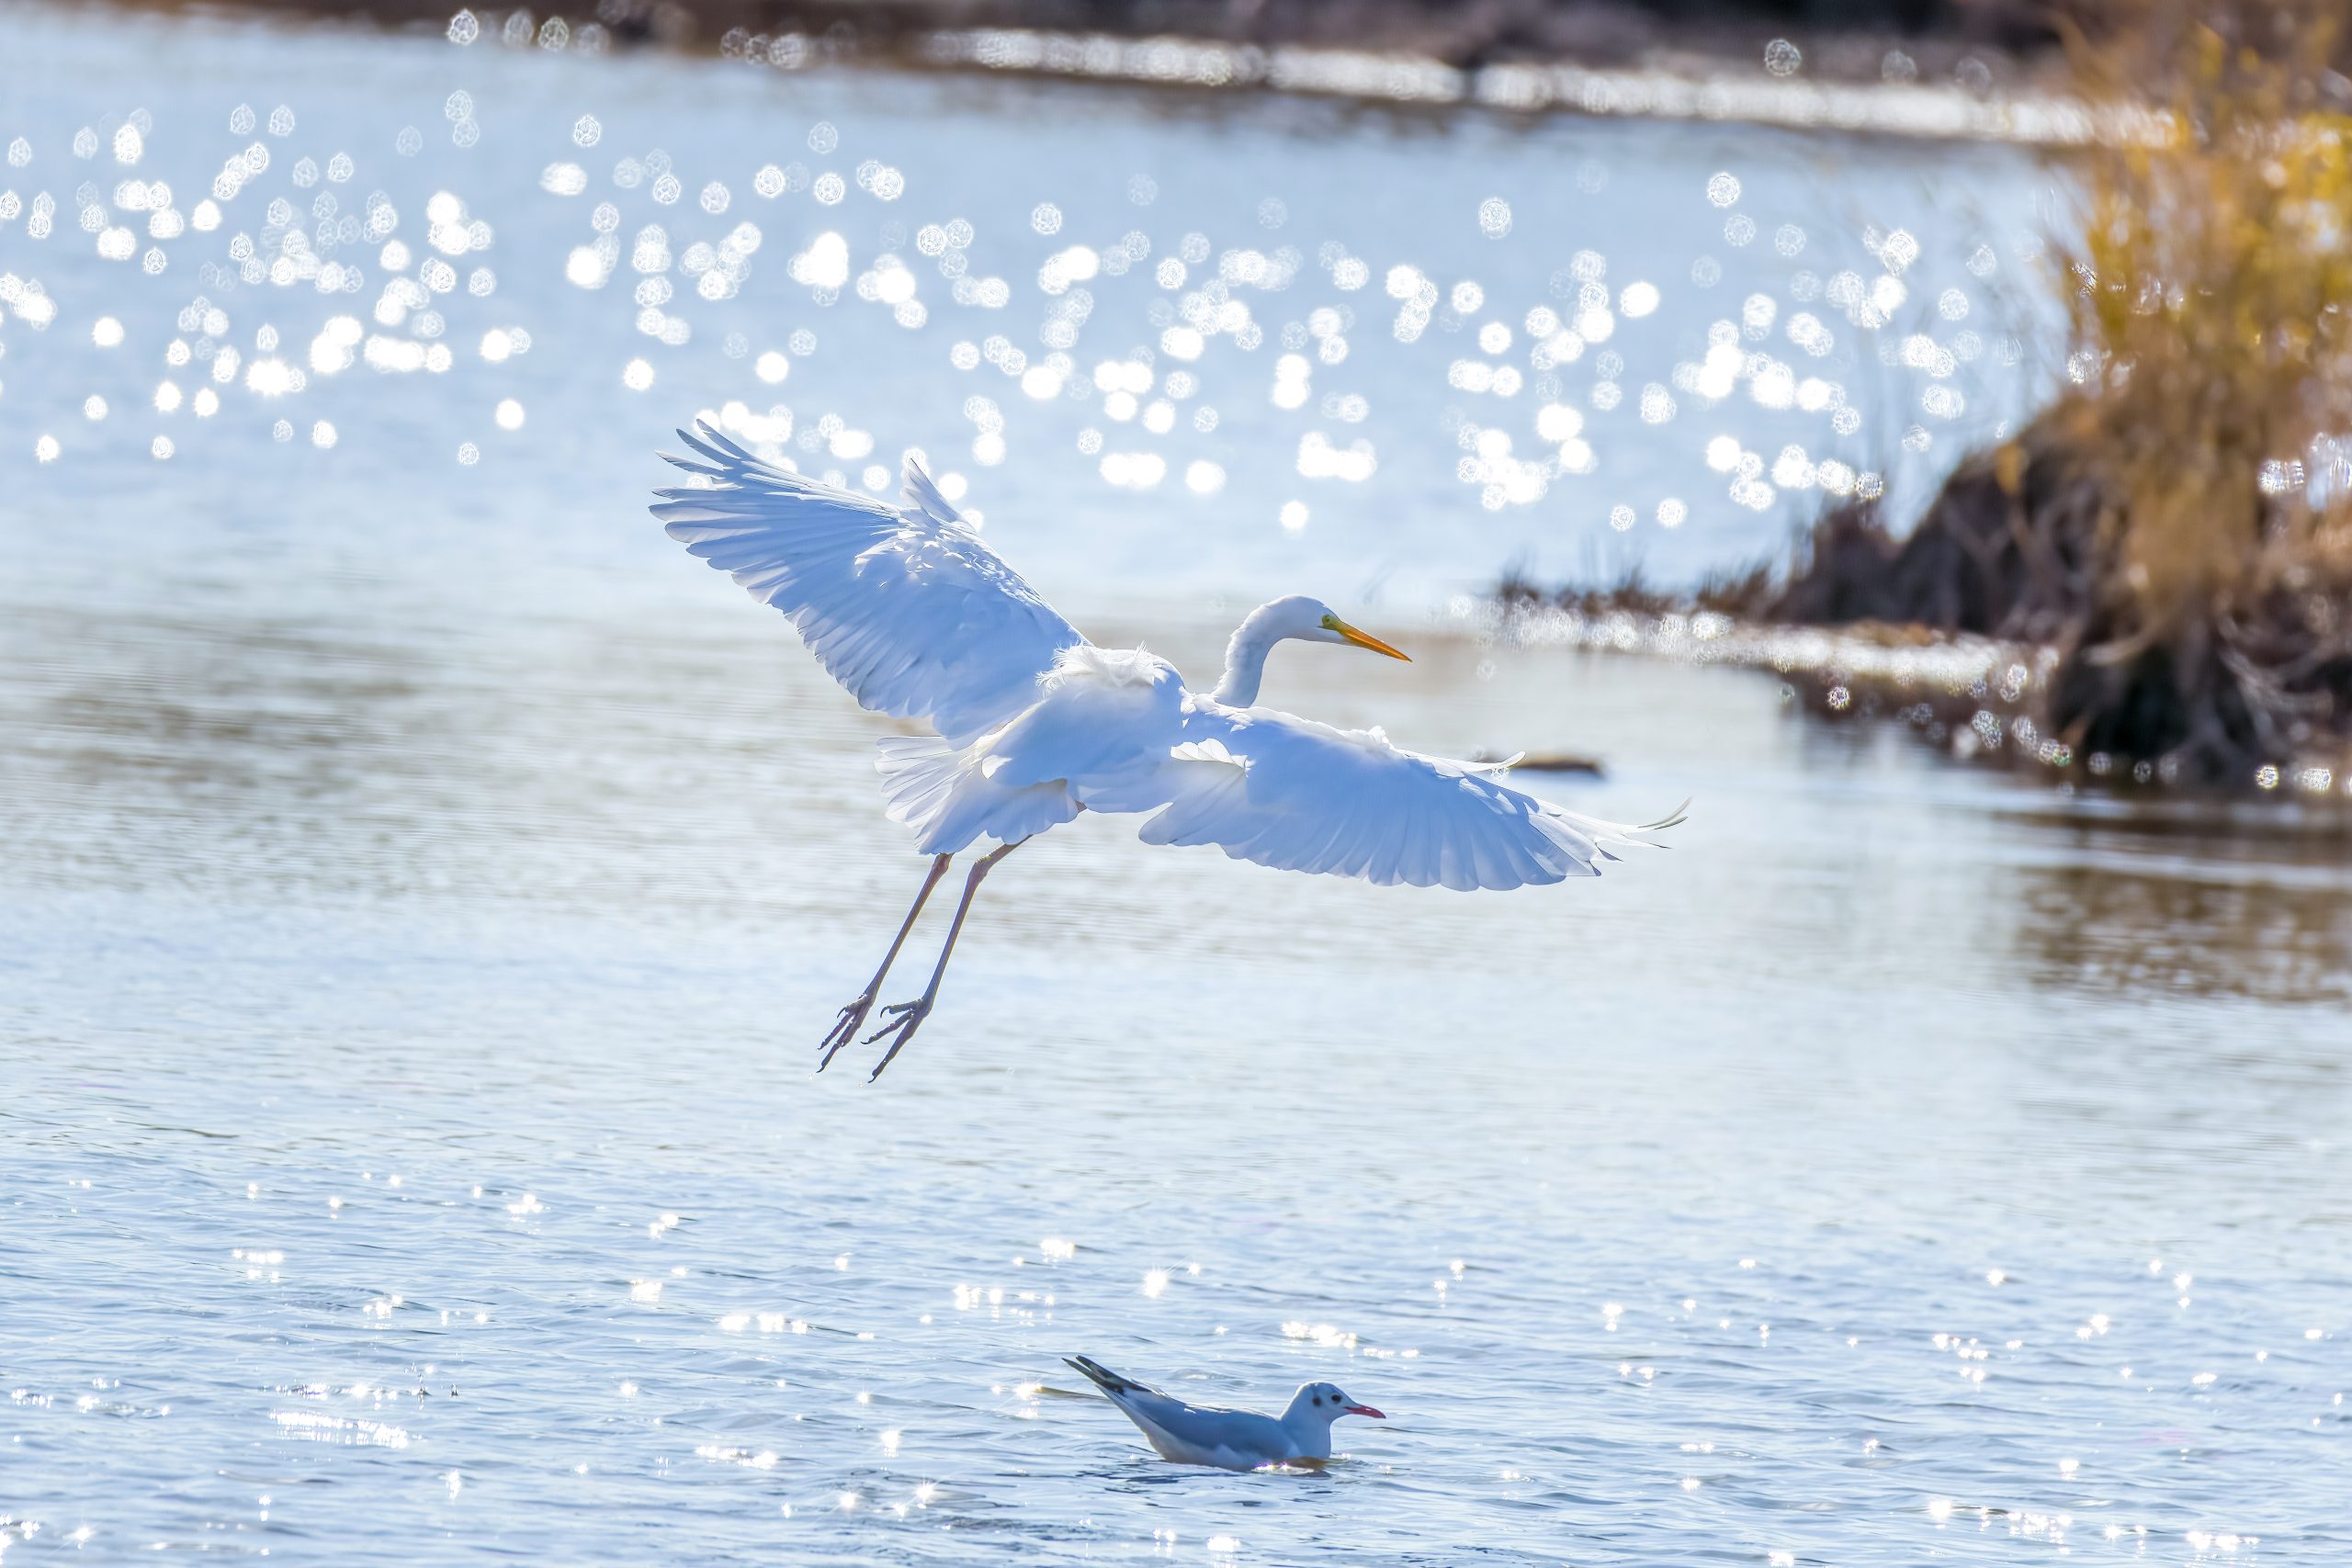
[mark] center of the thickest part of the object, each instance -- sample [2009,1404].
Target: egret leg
[906,1017]
[845,1027]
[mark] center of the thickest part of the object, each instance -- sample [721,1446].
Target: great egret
[1229,1439]
[907,607]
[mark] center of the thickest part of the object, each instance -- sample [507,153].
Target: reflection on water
[2199,925]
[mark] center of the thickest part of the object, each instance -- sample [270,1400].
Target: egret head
[1312,620]
[1323,1402]
[1307,620]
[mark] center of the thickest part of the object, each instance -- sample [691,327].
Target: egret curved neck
[1245,659]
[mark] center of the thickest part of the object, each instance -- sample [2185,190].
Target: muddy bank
[2045,645]
[1851,36]
[1937,70]
[1979,51]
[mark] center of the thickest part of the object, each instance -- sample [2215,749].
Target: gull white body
[1227,1439]
[911,611]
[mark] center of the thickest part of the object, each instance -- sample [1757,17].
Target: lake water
[1360,348]
[422,889]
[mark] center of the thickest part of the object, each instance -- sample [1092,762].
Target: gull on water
[1229,1439]
[908,608]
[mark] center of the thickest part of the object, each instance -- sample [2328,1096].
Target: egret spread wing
[906,606]
[1299,795]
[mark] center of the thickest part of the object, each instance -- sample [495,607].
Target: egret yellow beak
[1363,640]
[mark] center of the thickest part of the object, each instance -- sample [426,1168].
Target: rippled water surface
[422,889]
[1216,343]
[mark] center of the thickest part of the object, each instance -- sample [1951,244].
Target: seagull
[1032,724]
[1229,1439]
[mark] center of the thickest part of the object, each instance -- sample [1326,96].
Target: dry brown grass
[2177,526]
[2209,292]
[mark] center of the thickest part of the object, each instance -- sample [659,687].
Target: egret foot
[845,1028]
[909,1017]
[906,1017]
[853,1017]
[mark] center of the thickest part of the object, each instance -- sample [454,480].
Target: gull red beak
[1364,1410]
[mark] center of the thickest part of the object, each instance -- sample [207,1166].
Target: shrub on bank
[2176,527]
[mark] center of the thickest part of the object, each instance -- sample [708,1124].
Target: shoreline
[1632,68]
[1972,698]
[1723,94]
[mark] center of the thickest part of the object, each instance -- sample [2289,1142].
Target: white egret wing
[1297,795]
[904,606]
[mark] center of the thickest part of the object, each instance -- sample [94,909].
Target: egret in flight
[1229,1439]
[909,609]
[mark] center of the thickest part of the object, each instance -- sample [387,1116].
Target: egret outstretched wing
[1297,795]
[904,606]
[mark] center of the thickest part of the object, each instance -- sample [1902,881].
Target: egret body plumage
[907,607]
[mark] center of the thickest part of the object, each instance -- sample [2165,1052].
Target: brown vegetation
[2162,527]
[2176,529]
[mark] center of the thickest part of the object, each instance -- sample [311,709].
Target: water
[423,888]
[1387,449]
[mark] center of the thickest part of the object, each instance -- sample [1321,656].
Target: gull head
[1323,1402]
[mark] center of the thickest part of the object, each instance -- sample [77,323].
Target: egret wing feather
[906,606]
[1103,726]
[1297,795]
